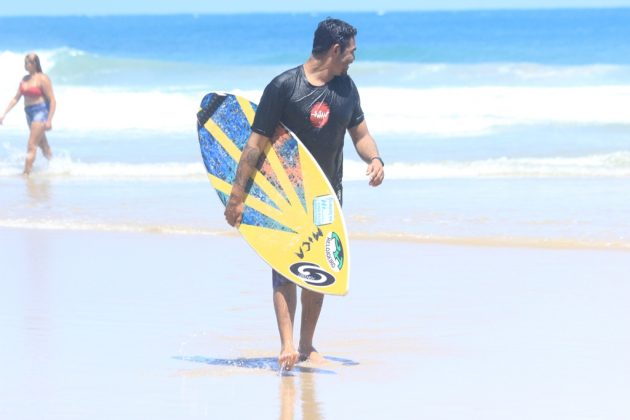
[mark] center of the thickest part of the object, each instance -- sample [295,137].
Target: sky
[108,7]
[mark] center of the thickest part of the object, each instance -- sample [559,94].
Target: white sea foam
[64,167]
[594,94]
[479,110]
[614,165]
[604,165]
[438,112]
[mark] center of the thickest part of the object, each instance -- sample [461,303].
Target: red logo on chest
[319,114]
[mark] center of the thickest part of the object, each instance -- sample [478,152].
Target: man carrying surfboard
[319,102]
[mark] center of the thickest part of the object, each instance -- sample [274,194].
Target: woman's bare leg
[37,131]
[43,144]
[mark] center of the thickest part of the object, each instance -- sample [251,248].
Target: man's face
[346,57]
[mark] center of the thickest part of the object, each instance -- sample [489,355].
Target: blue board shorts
[278,279]
[36,113]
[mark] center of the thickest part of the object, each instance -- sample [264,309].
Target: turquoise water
[517,119]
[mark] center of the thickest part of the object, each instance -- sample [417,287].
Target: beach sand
[102,325]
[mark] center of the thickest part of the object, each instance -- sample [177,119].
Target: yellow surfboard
[292,217]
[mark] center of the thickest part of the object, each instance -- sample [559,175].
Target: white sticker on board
[324,210]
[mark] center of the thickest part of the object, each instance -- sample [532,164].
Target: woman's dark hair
[330,32]
[34,58]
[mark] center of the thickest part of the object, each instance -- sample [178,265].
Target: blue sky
[80,7]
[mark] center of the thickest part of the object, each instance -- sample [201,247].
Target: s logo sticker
[312,274]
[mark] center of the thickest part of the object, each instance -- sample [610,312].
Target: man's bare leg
[284,303]
[311,308]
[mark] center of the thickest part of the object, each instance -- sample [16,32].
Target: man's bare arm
[250,156]
[366,147]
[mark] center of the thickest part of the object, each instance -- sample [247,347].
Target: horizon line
[330,12]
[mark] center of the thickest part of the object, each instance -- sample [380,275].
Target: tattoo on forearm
[246,166]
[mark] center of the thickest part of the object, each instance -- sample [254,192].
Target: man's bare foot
[312,356]
[288,358]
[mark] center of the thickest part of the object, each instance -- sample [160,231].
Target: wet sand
[101,325]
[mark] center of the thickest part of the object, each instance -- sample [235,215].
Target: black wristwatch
[379,158]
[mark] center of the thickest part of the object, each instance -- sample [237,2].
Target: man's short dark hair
[330,32]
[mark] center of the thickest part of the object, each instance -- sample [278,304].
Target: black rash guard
[318,115]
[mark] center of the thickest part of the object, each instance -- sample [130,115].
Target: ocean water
[497,128]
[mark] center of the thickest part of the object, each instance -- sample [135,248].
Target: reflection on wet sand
[311,408]
[287,398]
[38,190]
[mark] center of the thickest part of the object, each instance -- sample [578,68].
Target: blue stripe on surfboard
[230,118]
[215,158]
[219,163]
[255,218]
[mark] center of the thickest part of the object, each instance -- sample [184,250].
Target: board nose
[209,105]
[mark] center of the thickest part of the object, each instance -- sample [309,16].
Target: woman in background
[39,105]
